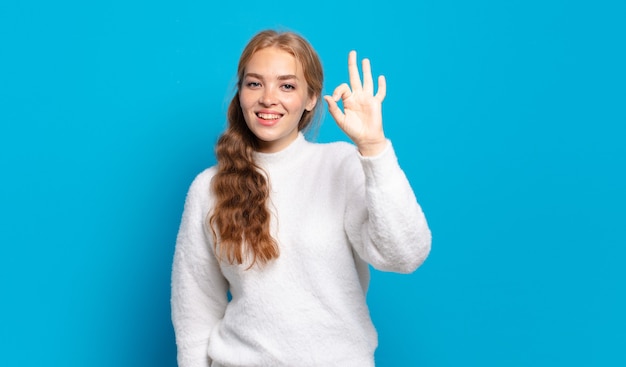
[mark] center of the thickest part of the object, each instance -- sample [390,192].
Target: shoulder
[333,145]
[334,151]
[200,187]
[204,178]
[338,159]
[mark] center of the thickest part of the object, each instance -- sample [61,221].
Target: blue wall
[508,116]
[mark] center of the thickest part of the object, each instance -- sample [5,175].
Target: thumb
[334,109]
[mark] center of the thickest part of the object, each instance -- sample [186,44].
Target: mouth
[268,119]
[268,116]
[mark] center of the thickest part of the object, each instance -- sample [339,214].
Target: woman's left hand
[361,118]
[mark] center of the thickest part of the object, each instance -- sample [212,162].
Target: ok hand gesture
[361,118]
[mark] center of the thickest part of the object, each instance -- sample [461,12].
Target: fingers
[382,88]
[368,83]
[355,80]
[334,109]
[353,71]
[342,92]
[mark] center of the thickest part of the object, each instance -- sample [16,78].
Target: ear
[310,105]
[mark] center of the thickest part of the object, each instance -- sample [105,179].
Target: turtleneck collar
[288,153]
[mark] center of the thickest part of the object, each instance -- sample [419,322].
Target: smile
[268,116]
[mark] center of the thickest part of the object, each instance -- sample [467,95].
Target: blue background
[509,118]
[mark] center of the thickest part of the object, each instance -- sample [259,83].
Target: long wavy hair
[240,220]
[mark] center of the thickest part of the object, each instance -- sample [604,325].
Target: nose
[268,97]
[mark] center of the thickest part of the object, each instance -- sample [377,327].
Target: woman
[287,226]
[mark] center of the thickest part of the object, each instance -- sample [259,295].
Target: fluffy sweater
[333,213]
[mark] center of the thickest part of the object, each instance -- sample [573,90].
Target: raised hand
[361,118]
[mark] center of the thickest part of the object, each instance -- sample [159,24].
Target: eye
[253,84]
[289,86]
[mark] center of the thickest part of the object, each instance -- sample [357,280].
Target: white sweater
[334,212]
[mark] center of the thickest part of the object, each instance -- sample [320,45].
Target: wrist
[372,149]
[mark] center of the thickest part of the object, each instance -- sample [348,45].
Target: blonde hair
[240,220]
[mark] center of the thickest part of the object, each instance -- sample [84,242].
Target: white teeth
[268,116]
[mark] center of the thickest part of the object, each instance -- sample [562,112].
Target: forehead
[272,61]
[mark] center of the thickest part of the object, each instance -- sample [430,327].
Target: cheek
[246,100]
[295,102]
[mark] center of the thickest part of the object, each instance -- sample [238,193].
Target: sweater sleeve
[199,290]
[383,219]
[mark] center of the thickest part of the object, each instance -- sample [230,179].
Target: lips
[268,119]
[269,116]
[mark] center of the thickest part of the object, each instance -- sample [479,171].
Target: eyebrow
[280,77]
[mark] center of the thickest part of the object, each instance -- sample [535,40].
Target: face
[273,97]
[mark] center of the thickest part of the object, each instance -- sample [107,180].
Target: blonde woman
[288,227]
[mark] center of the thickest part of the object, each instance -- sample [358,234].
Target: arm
[383,219]
[198,287]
